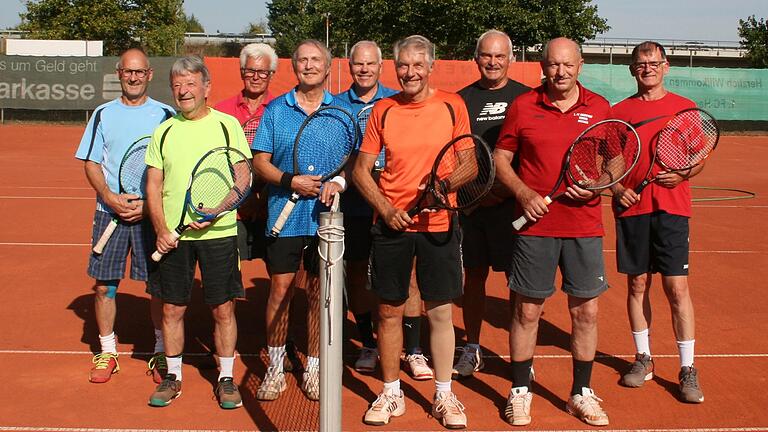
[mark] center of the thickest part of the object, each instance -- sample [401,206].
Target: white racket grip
[522,220]
[98,248]
[157,255]
[282,217]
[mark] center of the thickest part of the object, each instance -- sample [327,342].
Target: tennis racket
[461,175]
[600,156]
[362,121]
[249,128]
[685,141]
[131,178]
[322,147]
[220,181]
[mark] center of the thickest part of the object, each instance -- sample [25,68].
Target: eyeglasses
[140,73]
[249,73]
[653,65]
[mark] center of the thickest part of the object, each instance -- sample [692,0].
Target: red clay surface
[48,329]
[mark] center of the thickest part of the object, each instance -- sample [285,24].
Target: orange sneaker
[105,364]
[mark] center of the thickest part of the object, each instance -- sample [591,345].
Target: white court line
[505,357]
[43,244]
[84,429]
[48,187]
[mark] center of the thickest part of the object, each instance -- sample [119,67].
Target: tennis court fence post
[331,251]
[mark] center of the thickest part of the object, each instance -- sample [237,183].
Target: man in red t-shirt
[413,125]
[258,62]
[539,128]
[652,233]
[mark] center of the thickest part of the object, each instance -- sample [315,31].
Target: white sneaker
[518,409]
[366,363]
[449,411]
[418,368]
[470,361]
[386,406]
[586,406]
[272,386]
[310,385]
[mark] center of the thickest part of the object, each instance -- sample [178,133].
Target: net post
[331,252]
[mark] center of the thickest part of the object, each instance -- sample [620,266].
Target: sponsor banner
[727,93]
[31,82]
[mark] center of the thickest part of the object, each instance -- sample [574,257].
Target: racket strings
[603,155]
[325,142]
[687,140]
[464,174]
[133,171]
[220,183]
[250,127]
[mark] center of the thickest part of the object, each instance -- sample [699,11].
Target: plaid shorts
[110,264]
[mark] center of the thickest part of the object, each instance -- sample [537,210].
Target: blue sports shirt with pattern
[276,134]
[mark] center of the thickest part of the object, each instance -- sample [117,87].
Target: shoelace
[102,360]
[689,379]
[517,405]
[419,359]
[167,384]
[272,380]
[638,365]
[450,404]
[157,361]
[228,386]
[592,405]
[469,357]
[384,401]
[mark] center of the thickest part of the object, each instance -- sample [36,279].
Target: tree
[453,25]
[754,38]
[255,28]
[157,25]
[192,25]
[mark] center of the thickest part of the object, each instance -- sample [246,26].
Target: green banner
[50,83]
[729,94]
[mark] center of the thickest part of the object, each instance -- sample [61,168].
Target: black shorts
[357,238]
[285,253]
[173,277]
[656,242]
[438,263]
[488,237]
[536,259]
[251,241]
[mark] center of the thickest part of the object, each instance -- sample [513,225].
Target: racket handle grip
[283,216]
[157,255]
[522,220]
[98,248]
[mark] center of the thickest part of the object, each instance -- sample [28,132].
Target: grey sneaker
[227,394]
[168,390]
[640,372]
[689,385]
[469,362]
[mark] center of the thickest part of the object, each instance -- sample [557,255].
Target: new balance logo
[492,111]
[583,118]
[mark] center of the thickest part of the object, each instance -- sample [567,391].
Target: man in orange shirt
[413,125]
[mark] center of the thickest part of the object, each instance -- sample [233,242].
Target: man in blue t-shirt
[273,162]
[114,127]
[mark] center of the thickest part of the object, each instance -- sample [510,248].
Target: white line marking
[711,251]
[85,429]
[47,197]
[48,187]
[43,244]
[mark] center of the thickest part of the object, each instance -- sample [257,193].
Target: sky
[694,20]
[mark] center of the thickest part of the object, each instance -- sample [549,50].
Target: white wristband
[341,181]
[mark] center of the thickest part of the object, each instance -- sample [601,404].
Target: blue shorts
[135,238]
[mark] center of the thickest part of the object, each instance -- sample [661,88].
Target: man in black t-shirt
[487,231]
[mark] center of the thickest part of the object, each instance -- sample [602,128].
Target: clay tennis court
[48,329]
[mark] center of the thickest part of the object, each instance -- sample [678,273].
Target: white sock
[108,343]
[442,386]
[159,343]
[226,365]
[276,355]
[174,366]
[313,362]
[392,387]
[642,341]
[685,348]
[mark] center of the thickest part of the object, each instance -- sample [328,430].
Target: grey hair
[416,41]
[493,32]
[365,42]
[317,44]
[189,65]
[256,51]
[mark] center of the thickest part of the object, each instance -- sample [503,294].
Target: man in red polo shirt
[258,62]
[539,128]
[652,233]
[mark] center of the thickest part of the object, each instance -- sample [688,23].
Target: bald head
[135,74]
[133,56]
[561,63]
[561,45]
